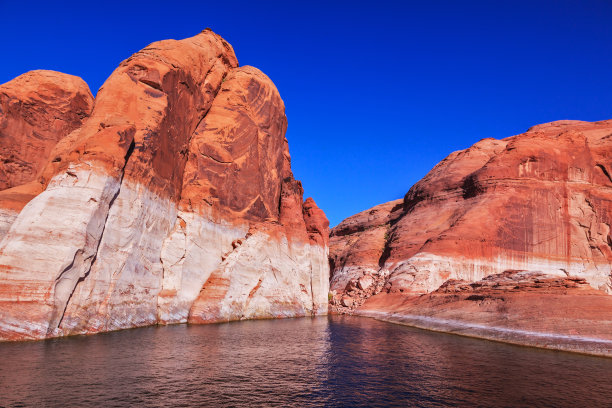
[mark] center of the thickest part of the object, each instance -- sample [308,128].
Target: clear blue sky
[376,92]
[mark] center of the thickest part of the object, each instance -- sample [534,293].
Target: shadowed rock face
[539,201]
[174,201]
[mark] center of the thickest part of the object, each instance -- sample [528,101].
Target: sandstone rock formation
[528,308]
[507,240]
[174,201]
[539,201]
[37,109]
[357,245]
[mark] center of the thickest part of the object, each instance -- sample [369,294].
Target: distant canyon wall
[537,202]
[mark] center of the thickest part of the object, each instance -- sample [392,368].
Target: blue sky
[376,93]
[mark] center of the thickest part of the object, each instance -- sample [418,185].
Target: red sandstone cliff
[173,201]
[538,202]
[37,109]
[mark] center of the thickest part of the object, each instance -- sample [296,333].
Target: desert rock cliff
[539,201]
[172,201]
[37,109]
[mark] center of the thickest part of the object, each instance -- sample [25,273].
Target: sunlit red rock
[174,201]
[539,202]
[357,244]
[37,109]
[520,307]
[316,221]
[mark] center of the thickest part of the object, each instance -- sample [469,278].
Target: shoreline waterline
[524,338]
[333,361]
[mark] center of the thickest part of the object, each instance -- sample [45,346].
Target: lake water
[335,362]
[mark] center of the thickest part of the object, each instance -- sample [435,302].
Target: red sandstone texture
[528,308]
[539,202]
[317,223]
[37,109]
[171,200]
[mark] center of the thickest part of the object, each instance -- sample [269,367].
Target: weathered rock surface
[536,202]
[357,245]
[529,308]
[173,202]
[37,109]
[539,201]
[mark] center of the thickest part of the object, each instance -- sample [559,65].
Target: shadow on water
[336,361]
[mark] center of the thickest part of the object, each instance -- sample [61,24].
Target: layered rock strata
[174,201]
[37,109]
[539,202]
[527,308]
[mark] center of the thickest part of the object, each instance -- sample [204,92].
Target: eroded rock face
[173,202]
[521,307]
[539,201]
[357,245]
[37,109]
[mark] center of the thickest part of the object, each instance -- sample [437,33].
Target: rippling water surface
[340,361]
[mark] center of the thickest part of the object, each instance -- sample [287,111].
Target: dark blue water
[335,362]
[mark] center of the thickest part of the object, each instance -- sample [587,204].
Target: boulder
[365,282]
[346,301]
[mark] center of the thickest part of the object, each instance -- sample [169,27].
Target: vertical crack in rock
[172,255]
[605,172]
[255,288]
[64,288]
[63,284]
[386,251]
[313,311]
[251,295]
